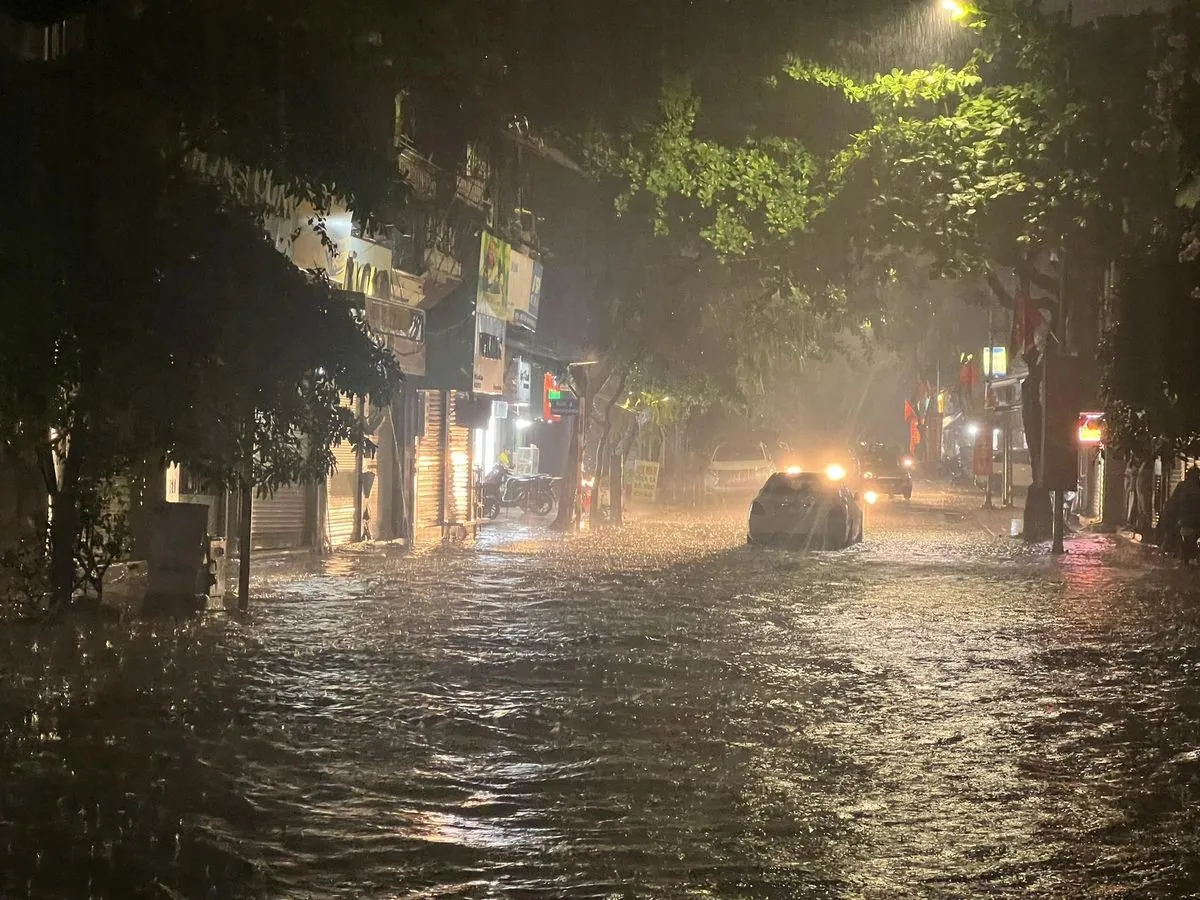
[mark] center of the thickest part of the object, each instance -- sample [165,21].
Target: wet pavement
[656,712]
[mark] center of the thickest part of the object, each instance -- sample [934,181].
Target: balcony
[423,175]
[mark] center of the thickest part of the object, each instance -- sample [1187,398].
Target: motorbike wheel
[539,503]
[491,509]
[1187,550]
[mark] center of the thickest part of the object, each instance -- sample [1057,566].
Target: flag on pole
[1027,319]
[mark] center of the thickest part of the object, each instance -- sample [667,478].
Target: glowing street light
[955,8]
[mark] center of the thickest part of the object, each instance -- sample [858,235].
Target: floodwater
[661,712]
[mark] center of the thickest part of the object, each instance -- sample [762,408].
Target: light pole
[1058,522]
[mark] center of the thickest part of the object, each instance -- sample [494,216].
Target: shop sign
[367,269]
[558,400]
[645,480]
[1091,428]
[995,362]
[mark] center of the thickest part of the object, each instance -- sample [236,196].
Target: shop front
[443,486]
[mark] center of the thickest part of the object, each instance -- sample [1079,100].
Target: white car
[806,510]
[738,467]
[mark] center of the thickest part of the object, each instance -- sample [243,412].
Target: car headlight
[834,472]
[871,497]
[868,474]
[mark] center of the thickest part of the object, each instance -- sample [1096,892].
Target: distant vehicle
[809,510]
[885,473]
[738,467]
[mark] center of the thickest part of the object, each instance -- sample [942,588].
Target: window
[739,453]
[782,483]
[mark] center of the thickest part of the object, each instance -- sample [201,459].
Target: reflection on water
[939,713]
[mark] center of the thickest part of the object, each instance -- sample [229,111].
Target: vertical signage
[491,296]
[524,381]
[488,377]
[524,290]
[548,384]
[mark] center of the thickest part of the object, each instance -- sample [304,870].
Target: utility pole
[356,531]
[988,431]
[1060,319]
[245,519]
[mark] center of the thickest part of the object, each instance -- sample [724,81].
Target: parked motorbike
[539,494]
[501,489]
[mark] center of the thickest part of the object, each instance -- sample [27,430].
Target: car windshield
[804,482]
[737,452]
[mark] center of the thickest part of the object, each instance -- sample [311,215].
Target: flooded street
[659,712]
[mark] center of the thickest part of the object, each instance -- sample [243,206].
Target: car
[812,510]
[737,467]
[885,473]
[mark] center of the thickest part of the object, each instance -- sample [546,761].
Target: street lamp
[955,8]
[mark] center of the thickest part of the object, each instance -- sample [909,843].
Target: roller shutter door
[458,487]
[339,492]
[279,520]
[430,471]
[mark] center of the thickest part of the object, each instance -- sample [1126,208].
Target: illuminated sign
[1091,427]
[995,362]
[558,400]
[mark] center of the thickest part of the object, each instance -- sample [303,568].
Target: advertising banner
[491,295]
[489,355]
[524,288]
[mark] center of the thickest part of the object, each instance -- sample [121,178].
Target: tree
[1032,148]
[147,314]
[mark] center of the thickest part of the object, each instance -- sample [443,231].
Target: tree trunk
[245,521]
[64,530]
[602,450]
[616,487]
[64,522]
[569,483]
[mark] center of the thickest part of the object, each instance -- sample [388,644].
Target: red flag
[968,375]
[1027,318]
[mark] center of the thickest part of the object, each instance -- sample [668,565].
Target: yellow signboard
[645,480]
